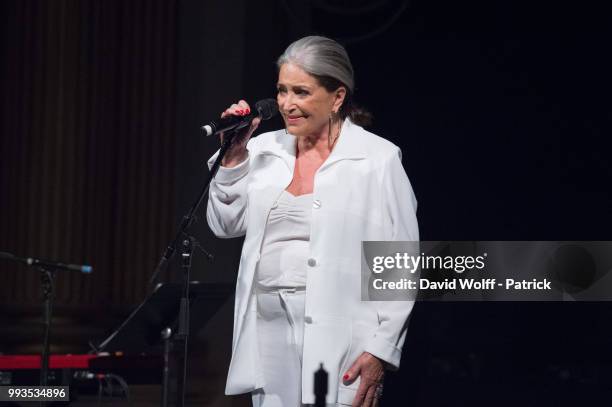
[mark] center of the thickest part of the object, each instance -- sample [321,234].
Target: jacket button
[316,204]
[312,262]
[308,320]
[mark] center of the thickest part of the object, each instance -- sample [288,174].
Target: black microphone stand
[46,278]
[187,242]
[47,275]
[182,336]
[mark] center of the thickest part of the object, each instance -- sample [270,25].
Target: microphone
[83,268]
[264,109]
[31,261]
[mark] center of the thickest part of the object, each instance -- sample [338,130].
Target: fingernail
[345,377]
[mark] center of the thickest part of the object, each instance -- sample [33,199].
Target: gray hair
[320,57]
[329,62]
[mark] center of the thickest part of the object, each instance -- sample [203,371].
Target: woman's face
[304,104]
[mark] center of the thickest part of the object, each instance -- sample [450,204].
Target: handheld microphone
[264,109]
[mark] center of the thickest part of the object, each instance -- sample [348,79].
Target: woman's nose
[285,103]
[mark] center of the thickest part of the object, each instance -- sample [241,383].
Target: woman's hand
[237,152]
[372,371]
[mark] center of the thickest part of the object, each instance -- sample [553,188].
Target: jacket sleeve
[226,212]
[387,342]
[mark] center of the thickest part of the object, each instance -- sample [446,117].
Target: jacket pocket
[346,395]
[361,332]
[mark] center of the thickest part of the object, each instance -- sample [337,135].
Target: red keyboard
[14,362]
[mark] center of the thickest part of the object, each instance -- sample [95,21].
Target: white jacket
[361,192]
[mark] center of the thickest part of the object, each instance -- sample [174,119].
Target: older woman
[306,196]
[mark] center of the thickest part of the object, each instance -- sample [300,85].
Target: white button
[312,262]
[316,204]
[308,320]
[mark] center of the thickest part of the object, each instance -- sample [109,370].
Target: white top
[285,246]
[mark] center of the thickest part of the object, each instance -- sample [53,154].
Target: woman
[306,196]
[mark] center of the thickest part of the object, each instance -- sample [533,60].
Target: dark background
[501,109]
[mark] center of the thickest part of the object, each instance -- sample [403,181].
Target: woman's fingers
[241,108]
[370,396]
[360,395]
[366,394]
[244,105]
[371,371]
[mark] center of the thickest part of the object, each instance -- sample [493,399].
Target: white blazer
[361,192]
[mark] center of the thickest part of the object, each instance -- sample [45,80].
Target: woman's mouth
[294,119]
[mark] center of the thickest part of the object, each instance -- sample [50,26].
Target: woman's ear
[340,96]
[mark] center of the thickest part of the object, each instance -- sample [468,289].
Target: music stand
[154,322]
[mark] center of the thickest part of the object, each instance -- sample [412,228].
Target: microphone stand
[47,275]
[182,336]
[187,242]
[47,283]
[189,217]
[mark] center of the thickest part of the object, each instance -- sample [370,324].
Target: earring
[329,142]
[332,119]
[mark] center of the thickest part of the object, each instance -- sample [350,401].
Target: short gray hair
[320,57]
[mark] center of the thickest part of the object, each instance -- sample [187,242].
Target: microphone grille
[267,108]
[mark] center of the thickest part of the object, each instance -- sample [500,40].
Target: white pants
[280,333]
[280,330]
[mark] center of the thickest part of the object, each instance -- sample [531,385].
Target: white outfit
[280,334]
[280,284]
[361,192]
[285,247]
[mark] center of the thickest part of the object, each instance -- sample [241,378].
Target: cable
[109,391]
[123,384]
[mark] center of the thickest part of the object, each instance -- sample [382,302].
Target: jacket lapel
[283,147]
[348,147]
